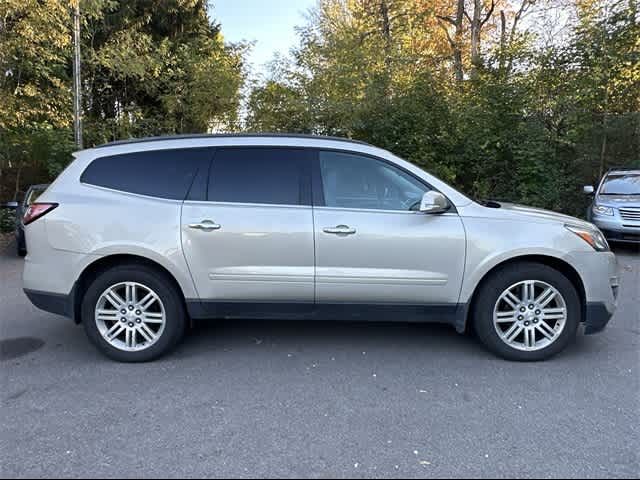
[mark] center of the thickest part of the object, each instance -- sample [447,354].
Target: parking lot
[318,399]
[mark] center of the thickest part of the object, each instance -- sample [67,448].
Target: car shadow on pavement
[330,335]
[429,340]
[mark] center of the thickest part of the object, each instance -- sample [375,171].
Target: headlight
[592,236]
[601,210]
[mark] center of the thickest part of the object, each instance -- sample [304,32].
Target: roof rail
[622,169]
[227,135]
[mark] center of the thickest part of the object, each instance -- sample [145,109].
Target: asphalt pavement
[316,399]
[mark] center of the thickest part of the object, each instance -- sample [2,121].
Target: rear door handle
[340,230]
[205,225]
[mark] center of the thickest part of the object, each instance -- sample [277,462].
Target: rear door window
[262,175]
[156,173]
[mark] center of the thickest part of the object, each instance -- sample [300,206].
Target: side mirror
[434,202]
[11,205]
[588,190]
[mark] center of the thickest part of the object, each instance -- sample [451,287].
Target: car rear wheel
[527,312]
[133,313]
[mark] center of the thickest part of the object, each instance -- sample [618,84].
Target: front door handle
[340,230]
[205,226]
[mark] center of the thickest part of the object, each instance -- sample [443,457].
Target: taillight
[37,210]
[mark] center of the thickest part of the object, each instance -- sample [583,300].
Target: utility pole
[77,94]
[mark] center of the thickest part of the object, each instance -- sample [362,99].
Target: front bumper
[597,317]
[599,274]
[618,229]
[622,236]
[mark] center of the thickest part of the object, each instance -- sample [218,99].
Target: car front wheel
[527,312]
[133,314]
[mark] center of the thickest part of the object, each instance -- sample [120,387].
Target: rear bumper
[57,303]
[597,317]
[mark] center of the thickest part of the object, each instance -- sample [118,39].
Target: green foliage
[148,68]
[532,122]
[7,220]
[275,107]
[158,68]
[494,108]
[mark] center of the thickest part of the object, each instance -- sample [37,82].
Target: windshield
[621,184]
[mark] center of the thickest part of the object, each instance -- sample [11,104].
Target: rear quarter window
[157,173]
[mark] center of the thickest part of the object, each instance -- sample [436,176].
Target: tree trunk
[503,40]
[457,47]
[386,30]
[18,175]
[476,26]
[603,145]
[603,148]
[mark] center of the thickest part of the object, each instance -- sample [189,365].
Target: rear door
[250,241]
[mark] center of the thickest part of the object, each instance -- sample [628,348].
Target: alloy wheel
[530,315]
[130,316]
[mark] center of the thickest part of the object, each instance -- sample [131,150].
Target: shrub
[7,220]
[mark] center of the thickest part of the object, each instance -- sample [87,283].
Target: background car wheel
[527,312]
[21,246]
[133,313]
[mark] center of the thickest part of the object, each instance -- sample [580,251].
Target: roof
[228,135]
[623,170]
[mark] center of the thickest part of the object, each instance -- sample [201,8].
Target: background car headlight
[601,210]
[593,237]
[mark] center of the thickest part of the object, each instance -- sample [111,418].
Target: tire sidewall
[21,246]
[174,310]
[495,285]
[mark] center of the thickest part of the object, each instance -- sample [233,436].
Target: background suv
[616,205]
[135,238]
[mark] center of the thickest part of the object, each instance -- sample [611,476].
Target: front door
[372,245]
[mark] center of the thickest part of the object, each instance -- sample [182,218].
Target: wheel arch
[102,264]
[554,262]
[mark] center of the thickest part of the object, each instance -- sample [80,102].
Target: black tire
[155,280]
[489,293]
[21,245]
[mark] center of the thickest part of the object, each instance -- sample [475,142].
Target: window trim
[202,174]
[305,181]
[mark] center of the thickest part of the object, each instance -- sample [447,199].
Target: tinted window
[260,175]
[158,173]
[354,181]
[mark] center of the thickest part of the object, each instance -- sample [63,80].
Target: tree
[469,89]
[34,78]
[149,67]
[157,67]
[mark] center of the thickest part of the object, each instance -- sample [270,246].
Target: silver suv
[616,205]
[135,239]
